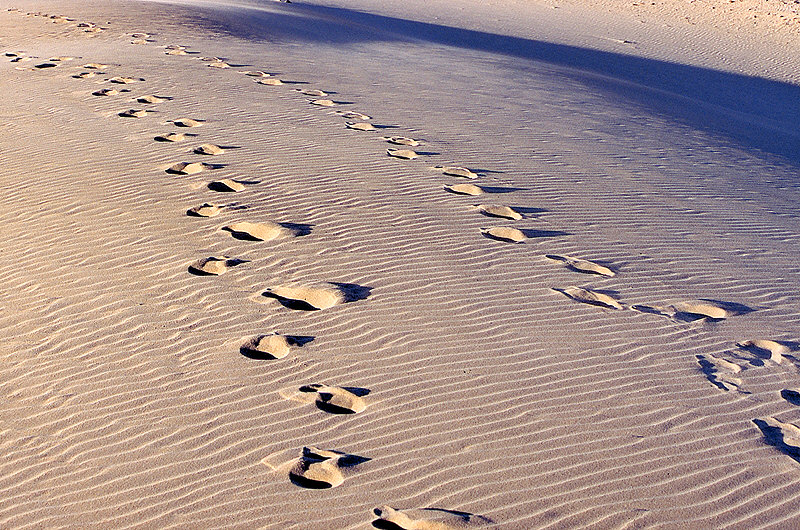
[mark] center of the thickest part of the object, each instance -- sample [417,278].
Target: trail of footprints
[324,468]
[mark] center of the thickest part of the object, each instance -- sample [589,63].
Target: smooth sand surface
[171,360]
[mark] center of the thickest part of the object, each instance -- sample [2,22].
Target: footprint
[504,233]
[140,35]
[427,519]
[582,265]
[765,349]
[209,149]
[264,231]
[402,140]
[323,102]
[171,137]
[226,186]
[218,64]
[405,154]
[706,308]
[176,51]
[720,372]
[187,122]
[350,115]
[784,436]
[96,66]
[271,81]
[315,296]
[45,65]
[333,399]
[124,80]
[61,58]
[456,171]
[498,210]
[256,73]
[269,346]
[360,126]
[587,296]
[106,92]
[312,92]
[321,469]
[133,113]
[187,168]
[464,189]
[152,99]
[214,265]
[86,75]
[206,209]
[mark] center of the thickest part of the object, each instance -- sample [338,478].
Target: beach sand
[224,305]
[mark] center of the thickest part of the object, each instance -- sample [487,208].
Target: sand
[577,308]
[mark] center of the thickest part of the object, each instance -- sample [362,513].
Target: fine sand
[442,264]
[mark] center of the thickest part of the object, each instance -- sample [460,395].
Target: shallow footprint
[456,171]
[106,92]
[323,102]
[86,75]
[401,140]
[226,186]
[766,349]
[784,436]
[315,296]
[720,372]
[96,66]
[350,115]
[703,309]
[264,231]
[256,73]
[214,265]
[582,265]
[312,92]
[206,209]
[426,519]
[588,296]
[187,168]
[187,122]
[499,210]
[360,126]
[152,98]
[405,154]
[133,113]
[504,233]
[123,80]
[171,137]
[269,346]
[464,189]
[333,399]
[209,149]
[269,81]
[321,469]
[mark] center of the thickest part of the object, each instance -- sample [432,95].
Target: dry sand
[631,363]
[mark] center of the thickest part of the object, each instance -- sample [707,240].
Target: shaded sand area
[432,265]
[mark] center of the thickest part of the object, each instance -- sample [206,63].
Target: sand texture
[438,264]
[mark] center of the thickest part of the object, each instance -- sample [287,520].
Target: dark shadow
[533,233]
[774,437]
[353,292]
[428,153]
[45,65]
[710,371]
[143,100]
[791,395]
[285,82]
[223,188]
[648,309]
[732,307]
[230,263]
[330,407]
[500,189]
[571,267]
[754,112]
[293,340]
[299,229]
[288,303]
[465,516]
[307,483]
[183,125]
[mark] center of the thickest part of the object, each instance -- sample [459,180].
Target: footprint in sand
[402,140]
[256,73]
[582,265]
[321,469]
[269,81]
[766,349]
[171,137]
[187,122]
[140,35]
[96,66]
[133,113]
[188,168]
[315,296]
[587,296]
[705,310]
[209,149]
[360,125]
[498,210]
[720,372]
[405,154]
[119,80]
[464,189]
[61,58]
[214,265]
[176,51]
[331,399]
[264,231]
[456,171]
[426,519]
[86,75]
[218,64]
[206,209]
[106,92]
[312,92]
[226,186]
[350,115]
[323,102]
[784,436]
[504,233]
[152,99]
[269,346]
